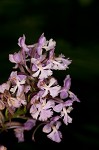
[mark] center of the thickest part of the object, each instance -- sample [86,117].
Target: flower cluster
[32,93]
[2,147]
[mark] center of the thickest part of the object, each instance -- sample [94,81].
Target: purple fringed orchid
[42,110]
[17,58]
[64,108]
[18,82]
[52,88]
[44,44]
[58,63]
[19,132]
[29,124]
[32,93]
[40,70]
[21,43]
[65,91]
[4,86]
[52,128]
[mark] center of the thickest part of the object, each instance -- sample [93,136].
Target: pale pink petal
[45,114]
[47,128]
[49,104]
[36,73]
[29,124]
[19,134]
[35,115]
[45,74]
[58,108]
[55,136]
[54,91]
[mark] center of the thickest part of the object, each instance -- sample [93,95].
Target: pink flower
[18,82]
[4,86]
[41,71]
[17,101]
[19,134]
[21,43]
[3,147]
[64,108]
[29,124]
[42,110]
[50,88]
[33,94]
[44,44]
[52,129]
[17,58]
[58,63]
[65,89]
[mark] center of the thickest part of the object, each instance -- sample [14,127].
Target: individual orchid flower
[44,44]
[51,45]
[64,108]
[65,88]
[13,102]
[21,43]
[19,133]
[4,86]
[42,110]
[25,48]
[52,88]
[52,128]
[65,91]
[40,71]
[17,58]
[29,124]
[2,147]
[18,82]
[58,63]
[41,43]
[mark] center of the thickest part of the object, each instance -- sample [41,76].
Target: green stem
[36,130]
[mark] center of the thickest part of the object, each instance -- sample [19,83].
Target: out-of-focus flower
[3,147]
[29,124]
[19,134]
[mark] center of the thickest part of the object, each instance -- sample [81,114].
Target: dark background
[74,25]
